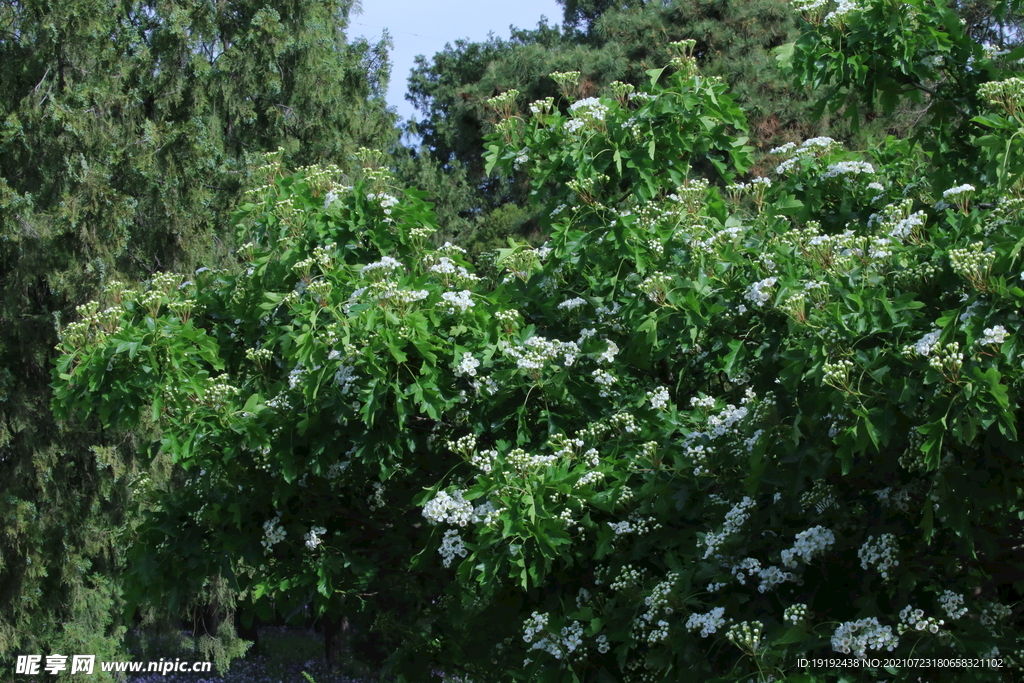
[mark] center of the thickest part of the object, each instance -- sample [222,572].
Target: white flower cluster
[451,271]
[313,537]
[462,300]
[843,7]
[843,168]
[898,499]
[659,398]
[914,620]
[857,637]
[972,263]
[606,380]
[756,293]
[925,345]
[521,158]
[589,108]
[994,613]
[522,460]
[608,355]
[485,460]
[746,635]
[602,644]
[734,519]
[624,421]
[629,576]
[571,636]
[994,335]
[635,524]
[658,599]
[380,269]
[385,200]
[345,377]
[720,424]
[660,630]
[904,227]
[730,234]
[591,477]
[971,310]
[486,513]
[452,509]
[952,604]
[770,576]
[796,614]
[811,148]
[274,532]
[708,623]
[702,402]
[572,304]
[958,190]
[467,365]
[881,554]
[810,543]
[536,352]
[451,545]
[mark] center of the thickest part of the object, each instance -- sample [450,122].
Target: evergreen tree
[129,131]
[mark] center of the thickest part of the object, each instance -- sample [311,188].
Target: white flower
[274,532]
[609,353]
[879,553]
[952,604]
[453,509]
[994,335]
[847,168]
[386,265]
[461,300]
[659,398]
[959,189]
[708,623]
[467,365]
[927,343]
[734,519]
[451,545]
[857,637]
[756,294]
[572,304]
[312,538]
[809,544]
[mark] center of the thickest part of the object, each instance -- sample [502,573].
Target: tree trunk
[250,633]
[335,629]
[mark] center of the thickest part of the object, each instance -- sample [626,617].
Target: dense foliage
[605,42]
[128,132]
[710,427]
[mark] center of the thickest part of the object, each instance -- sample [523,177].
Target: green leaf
[655,74]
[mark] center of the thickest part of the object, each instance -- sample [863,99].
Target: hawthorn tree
[703,430]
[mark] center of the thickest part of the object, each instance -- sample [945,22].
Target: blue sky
[418,27]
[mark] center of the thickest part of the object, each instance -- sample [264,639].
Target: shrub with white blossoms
[723,451]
